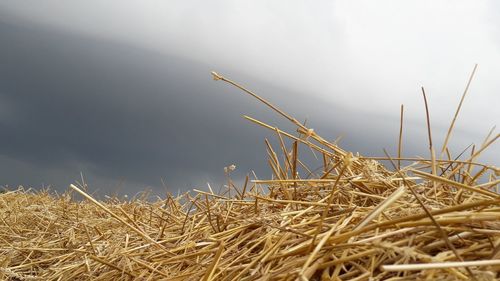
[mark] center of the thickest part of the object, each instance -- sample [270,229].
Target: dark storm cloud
[126,112]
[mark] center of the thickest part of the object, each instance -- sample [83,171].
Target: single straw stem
[448,135]
[438,265]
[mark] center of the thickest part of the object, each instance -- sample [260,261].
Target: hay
[353,219]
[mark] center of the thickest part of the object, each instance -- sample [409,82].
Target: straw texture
[350,219]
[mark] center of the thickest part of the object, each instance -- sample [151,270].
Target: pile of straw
[353,219]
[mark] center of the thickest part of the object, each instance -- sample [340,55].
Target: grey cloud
[117,108]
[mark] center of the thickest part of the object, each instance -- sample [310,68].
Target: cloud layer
[122,91]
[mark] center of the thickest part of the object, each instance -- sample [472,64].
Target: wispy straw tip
[216,76]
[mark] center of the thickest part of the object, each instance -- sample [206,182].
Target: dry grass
[434,219]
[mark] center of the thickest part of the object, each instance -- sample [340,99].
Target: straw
[340,216]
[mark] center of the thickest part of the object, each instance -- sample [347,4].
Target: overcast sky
[121,90]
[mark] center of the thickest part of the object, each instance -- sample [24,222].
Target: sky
[121,91]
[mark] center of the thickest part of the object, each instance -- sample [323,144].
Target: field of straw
[352,219]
